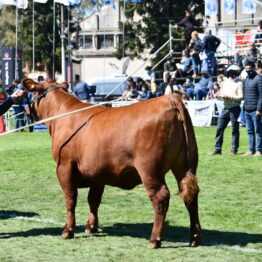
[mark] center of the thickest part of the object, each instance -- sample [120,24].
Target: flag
[248,7]
[75,2]
[229,7]
[211,7]
[40,1]
[64,2]
[108,2]
[22,4]
[133,1]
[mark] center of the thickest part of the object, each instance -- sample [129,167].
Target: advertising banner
[10,69]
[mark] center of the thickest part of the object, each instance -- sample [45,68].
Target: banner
[9,68]
[229,7]
[211,7]
[248,6]
[201,113]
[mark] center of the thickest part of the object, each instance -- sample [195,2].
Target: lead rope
[58,116]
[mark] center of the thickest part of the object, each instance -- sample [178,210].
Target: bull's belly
[126,179]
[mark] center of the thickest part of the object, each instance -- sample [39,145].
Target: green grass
[229,204]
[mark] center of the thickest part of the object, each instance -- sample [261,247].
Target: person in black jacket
[15,97]
[189,23]
[209,48]
[253,109]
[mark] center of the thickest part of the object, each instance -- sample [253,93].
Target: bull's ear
[31,85]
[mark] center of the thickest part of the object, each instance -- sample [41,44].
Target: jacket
[253,94]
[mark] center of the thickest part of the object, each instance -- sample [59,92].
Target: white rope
[58,116]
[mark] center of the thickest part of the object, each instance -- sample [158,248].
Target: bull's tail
[188,185]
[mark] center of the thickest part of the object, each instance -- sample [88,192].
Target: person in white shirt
[232,94]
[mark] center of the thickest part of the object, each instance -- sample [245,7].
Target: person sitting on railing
[189,23]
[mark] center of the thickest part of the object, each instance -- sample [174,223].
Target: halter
[39,97]
[43,94]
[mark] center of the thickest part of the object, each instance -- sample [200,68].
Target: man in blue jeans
[232,94]
[253,109]
[210,45]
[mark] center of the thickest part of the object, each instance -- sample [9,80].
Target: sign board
[11,66]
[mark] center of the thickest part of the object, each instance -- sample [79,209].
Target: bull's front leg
[94,200]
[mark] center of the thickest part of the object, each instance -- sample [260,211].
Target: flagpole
[16,41]
[53,57]
[33,56]
[123,46]
[62,37]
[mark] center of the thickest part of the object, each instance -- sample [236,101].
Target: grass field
[32,210]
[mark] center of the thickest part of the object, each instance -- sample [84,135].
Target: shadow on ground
[143,230]
[13,213]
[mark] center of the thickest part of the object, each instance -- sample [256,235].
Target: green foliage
[151,31]
[229,206]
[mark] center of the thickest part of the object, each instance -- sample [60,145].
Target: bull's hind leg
[189,190]
[94,200]
[70,194]
[159,195]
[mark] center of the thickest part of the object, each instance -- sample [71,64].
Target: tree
[151,30]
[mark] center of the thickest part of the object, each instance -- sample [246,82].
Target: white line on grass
[244,250]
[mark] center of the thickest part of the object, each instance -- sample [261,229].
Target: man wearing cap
[232,94]
[253,109]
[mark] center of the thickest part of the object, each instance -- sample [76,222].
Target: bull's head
[40,90]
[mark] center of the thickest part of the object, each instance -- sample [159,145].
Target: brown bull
[120,147]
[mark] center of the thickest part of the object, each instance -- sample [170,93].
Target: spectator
[203,87]
[149,74]
[169,69]
[232,94]
[253,53]
[18,107]
[171,87]
[258,36]
[186,62]
[210,45]
[145,93]
[253,109]
[195,47]
[82,91]
[238,60]
[189,88]
[40,79]
[139,83]
[133,92]
[189,23]
[13,98]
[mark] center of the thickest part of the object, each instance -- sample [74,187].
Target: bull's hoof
[92,229]
[68,234]
[196,241]
[154,244]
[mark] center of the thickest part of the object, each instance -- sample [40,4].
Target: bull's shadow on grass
[143,230]
[182,234]
[6,214]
